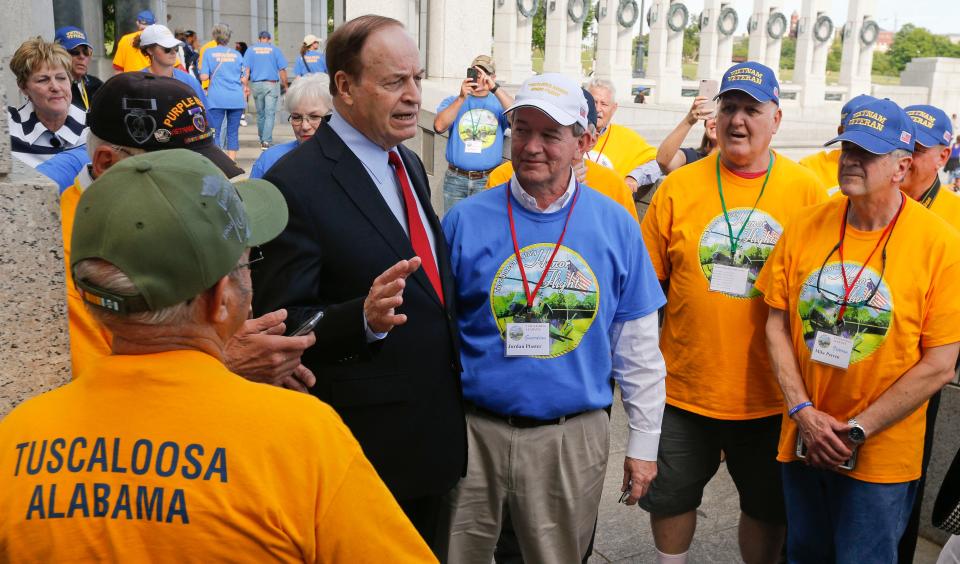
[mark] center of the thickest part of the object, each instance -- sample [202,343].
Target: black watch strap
[495,88]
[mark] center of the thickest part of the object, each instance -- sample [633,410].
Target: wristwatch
[856,434]
[495,88]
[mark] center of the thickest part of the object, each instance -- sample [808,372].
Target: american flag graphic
[877,301]
[577,280]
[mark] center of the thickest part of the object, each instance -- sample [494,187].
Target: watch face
[857,435]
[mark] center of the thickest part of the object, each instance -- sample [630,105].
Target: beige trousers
[550,477]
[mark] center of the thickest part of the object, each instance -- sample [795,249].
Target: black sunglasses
[80,50]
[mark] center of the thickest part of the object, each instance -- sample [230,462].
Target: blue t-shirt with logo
[224,66]
[310,62]
[265,61]
[476,135]
[599,276]
[270,157]
[190,81]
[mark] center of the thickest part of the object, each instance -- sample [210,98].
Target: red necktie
[418,235]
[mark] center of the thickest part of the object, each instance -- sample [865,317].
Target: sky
[939,16]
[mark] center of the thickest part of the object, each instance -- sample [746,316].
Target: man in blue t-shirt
[267,75]
[478,121]
[555,295]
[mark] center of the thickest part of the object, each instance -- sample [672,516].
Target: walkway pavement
[623,533]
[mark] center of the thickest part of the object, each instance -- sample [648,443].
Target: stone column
[775,44]
[757,28]
[810,67]
[512,36]
[297,18]
[22,19]
[666,50]
[397,9]
[857,58]
[562,44]
[709,41]
[614,52]
[724,44]
[458,32]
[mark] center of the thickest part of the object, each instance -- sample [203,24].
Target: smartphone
[309,325]
[472,74]
[709,90]
[626,494]
[801,451]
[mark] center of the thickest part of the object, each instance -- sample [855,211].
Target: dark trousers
[908,542]
[430,516]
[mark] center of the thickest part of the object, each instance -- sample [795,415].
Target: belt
[265,81]
[519,420]
[471,174]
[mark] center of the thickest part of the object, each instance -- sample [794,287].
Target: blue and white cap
[880,127]
[146,17]
[853,104]
[932,125]
[71,37]
[759,81]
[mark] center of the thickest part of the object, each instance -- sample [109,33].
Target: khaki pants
[550,477]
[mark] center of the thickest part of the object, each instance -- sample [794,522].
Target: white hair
[94,143]
[310,88]
[602,83]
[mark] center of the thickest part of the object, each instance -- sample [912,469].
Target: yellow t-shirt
[623,148]
[947,206]
[89,340]
[914,306]
[600,178]
[825,164]
[128,58]
[169,457]
[203,49]
[713,342]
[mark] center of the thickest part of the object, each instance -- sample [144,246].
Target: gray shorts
[689,456]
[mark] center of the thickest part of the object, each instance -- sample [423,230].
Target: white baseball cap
[556,95]
[157,34]
[310,39]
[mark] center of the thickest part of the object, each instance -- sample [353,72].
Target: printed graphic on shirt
[479,124]
[600,159]
[755,244]
[568,299]
[866,320]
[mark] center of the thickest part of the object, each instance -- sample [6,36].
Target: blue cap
[146,17]
[880,127]
[932,125]
[591,107]
[852,104]
[264,35]
[71,37]
[759,81]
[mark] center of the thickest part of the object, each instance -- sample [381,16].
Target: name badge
[473,146]
[832,349]
[528,339]
[729,279]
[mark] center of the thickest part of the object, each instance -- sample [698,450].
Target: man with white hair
[554,284]
[619,147]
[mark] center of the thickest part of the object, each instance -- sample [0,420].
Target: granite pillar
[458,32]
[664,60]
[857,59]
[562,43]
[810,65]
[725,42]
[709,42]
[512,36]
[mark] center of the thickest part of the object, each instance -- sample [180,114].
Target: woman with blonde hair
[47,123]
[161,47]
[311,59]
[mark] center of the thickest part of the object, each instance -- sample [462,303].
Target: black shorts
[689,456]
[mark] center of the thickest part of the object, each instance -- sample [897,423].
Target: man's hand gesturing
[386,295]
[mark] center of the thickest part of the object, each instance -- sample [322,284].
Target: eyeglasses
[80,50]
[256,255]
[297,119]
[120,149]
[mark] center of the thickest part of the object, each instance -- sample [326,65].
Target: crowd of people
[449,377]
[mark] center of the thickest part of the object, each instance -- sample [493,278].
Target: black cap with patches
[138,109]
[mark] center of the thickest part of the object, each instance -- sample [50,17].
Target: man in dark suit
[364,245]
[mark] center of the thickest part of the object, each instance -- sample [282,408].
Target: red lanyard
[516,248]
[604,146]
[843,271]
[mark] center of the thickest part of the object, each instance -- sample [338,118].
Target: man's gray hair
[575,128]
[94,143]
[221,33]
[899,153]
[309,88]
[602,83]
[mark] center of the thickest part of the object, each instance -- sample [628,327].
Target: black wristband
[495,88]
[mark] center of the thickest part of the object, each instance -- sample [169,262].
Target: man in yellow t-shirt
[824,163]
[709,229]
[156,453]
[860,334]
[600,178]
[618,147]
[129,58]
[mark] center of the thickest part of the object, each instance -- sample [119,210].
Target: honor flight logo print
[567,300]
[866,319]
[756,241]
[479,124]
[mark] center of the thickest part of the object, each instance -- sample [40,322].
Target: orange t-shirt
[714,342]
[128,58]
[599,177]
[947,206]
[622,149]
[825,164]
[89,340]
[913,306]
[168,457]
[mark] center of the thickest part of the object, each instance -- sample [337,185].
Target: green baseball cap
[173,223]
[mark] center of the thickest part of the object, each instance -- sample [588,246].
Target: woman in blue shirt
[160,46]
[311,60]
[309,104]
[227,92]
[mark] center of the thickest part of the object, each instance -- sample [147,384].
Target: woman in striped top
[48,123]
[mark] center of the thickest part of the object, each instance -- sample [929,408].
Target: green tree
[835,54]
[883,64]
[741,47]
[912,42]
[540,27]
[788,52]
[691,42]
